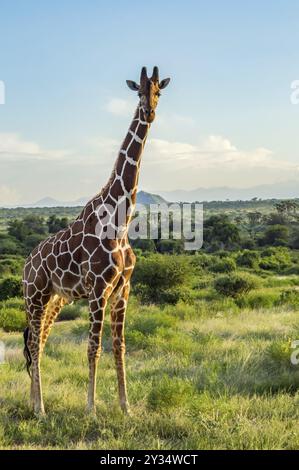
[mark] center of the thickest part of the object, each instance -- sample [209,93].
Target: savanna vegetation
[209,340]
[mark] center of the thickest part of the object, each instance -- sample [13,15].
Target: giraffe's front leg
[97,312]
[34,346]
[118,312]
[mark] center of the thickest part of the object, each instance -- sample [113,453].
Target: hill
[285,190]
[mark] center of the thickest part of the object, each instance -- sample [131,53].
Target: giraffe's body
[81,261]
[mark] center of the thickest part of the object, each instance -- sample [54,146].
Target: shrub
[9,246]
[248,259]
[29,225]
[55,223]
[235,285]
[276,235]
[248,243]
[12,319]
[161,278]
[275,258]
[219,231]
[32,241]
[10,287]
[147,295]
[201,260]
[70,312]
[11,266]
[225,265]
[15,302]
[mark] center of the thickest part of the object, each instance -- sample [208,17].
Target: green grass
[195,381]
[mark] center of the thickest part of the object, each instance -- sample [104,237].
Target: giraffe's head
[149,91]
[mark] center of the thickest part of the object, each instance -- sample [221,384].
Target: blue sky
[226,118]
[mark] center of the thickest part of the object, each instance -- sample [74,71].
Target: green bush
[224,265]
[147,295]
[162,279]
[220,232]
[248,259]
[70,312]
[234,285]
[12,319]
[275,259]
[32,241]
[276,235]
[201,261]
[14,302]
[10,287]
[11,265]
[248,244]
[8,246]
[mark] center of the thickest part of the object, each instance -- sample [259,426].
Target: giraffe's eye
[158,93]
[139,94]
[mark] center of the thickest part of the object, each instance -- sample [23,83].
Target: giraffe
[81,261]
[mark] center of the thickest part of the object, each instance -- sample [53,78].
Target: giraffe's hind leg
[53,308]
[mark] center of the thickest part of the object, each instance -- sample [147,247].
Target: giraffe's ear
[132,85]
[164,83]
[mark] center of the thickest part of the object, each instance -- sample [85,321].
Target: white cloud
[120,107]
[13,147]
[166,165]
[164,150]
[214,152]
[213,162]
[177,164]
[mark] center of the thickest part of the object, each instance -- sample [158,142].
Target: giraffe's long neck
[124,178]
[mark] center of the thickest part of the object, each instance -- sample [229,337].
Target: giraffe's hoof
[126,409]
[39,413]
[91,410]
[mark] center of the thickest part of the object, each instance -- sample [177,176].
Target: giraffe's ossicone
[92,258]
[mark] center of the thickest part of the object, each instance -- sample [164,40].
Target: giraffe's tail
[27,354]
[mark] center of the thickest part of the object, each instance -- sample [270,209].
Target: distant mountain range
[142,198]
[286,190]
